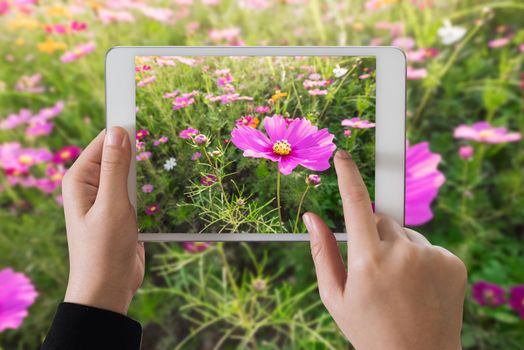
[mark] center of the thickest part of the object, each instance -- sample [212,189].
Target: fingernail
[308,222]
[341,154]
[114,137]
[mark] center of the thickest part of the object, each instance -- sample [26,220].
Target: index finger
[358,214]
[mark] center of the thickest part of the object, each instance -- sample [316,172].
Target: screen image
[245,144]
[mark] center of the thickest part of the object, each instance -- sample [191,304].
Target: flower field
[464,165]
[204,165]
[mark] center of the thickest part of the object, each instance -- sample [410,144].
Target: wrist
[102,298]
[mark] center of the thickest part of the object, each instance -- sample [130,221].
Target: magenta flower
[195,247]
[247,120]
[208,180]
[148,188]
[300,143]
[484,132]
[39,129]
[466,152]
[262,109]
[66,154]
[16,296]
[182,102]
[152,209]
[161,140]
[196,155]
[16,160]
[488,294]
[143,156]
[200,139]
[416,73]
[516,299]
[313,180]
[140,134]
[171,94]
[146,81]
[347,133]
[317,92]
[423,181]
[78,52]
[188,133]
[500,42]
[357,123]
[13,120]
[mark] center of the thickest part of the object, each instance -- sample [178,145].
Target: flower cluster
[492,295]
[36,124]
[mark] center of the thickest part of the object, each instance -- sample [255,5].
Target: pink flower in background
[317,92]
[500,42]
[39,129]
[17,160]
[309,84]
[484,132]
[466,152]
[357,123]
[182,102]
[248,120]
[143,156]
[4,7]
[300,143]
[52,181]
[195,247]
[347,133]
[109,16]
[146,81]
[66,154]
[262,109]
[208,180]
[488,294]
[159,14]
[140,145]
[224,80]
[416,73]
[16,296]
[313,180]
[200,139]
[148,188]
[364,76]
[14,120]
[196,155]
[516,299]
[405,43]
[152,209]
[171,94]
[230,35]
[423,181]
[30,84]
[78,26]
[78,52]
[161,140]
[188,133]
[140,134]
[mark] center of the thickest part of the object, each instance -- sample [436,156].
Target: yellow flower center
[486,134]
[282,148]
[25,159]
[65,154]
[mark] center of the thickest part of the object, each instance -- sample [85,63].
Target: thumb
[331,274]
[114,167]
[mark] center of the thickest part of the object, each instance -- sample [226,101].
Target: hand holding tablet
[232,143]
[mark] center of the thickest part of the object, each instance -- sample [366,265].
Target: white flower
[170,164]
[450,34]
[339,71]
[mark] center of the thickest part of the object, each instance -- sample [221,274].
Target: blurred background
[465,163]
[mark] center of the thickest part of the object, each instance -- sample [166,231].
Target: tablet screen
[246,144]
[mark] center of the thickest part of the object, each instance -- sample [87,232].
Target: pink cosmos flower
[188,133]
[405,43]
[17,160]
[484,132]
[248,120]
[208,180]
[30,84]
[78,52]
[159,14]
[140,134]
[161,140]
[500,42]
[78,26]
[49,183]
[196,155]
[109,16]
[357,123]
[364,76]
[423,181]
[171,94]
[148,188]
[317,92]
[143,156]
[146,81]
[262,109]
[152,209]
[488,294]
[516,299]
[300,143]
[182,102]
[140,146]
[416,73]
[16,295]
[39,129]
[313,180]
[66,154]
[195,247]
[200,139]
[466,152]
[14,120]
[224,80]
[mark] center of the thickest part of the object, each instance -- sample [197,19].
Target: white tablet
[235,143]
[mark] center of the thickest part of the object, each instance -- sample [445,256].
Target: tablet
[236,143]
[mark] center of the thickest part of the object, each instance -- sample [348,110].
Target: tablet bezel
[390,120]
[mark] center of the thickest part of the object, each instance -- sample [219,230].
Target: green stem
[278,197]
[300,208]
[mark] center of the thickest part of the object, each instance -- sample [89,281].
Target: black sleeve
[83,327]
